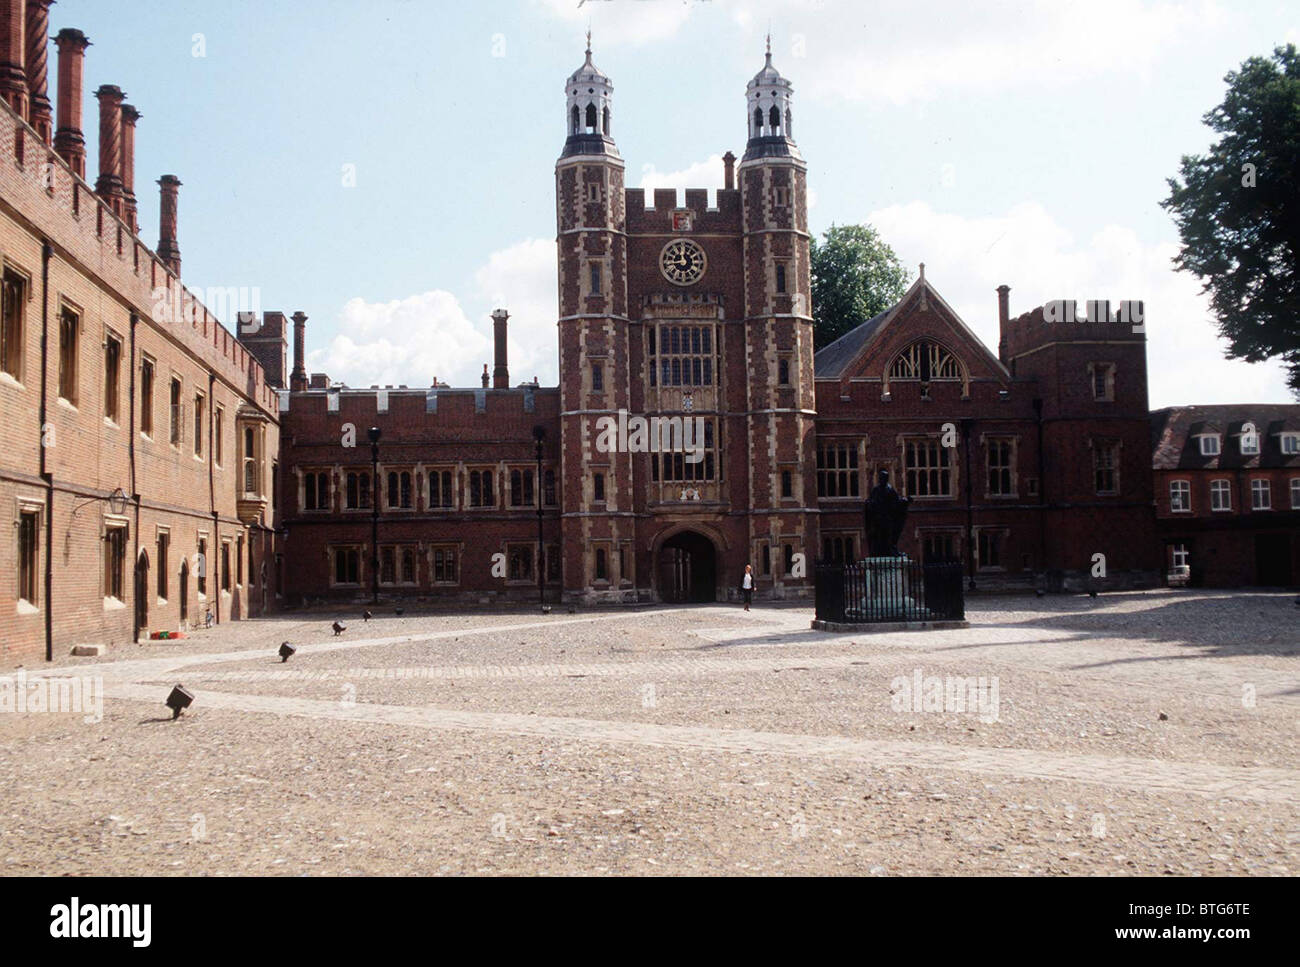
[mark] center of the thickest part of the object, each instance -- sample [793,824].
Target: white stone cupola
[588,110]
[769,113]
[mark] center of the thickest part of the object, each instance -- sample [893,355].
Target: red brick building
[136,479]
[1023,465]
[698,309]
[1227,488]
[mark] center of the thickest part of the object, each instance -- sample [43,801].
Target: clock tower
[689,312]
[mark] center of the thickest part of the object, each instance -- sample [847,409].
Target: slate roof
[829,361]
[1174,445]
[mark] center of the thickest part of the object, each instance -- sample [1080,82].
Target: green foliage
[855,275]
[1238,212]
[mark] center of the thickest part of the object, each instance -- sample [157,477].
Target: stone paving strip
[1145,775]
[1277,686]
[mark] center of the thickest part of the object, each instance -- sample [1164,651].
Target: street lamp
[117,502]
[375,434]
[539,437]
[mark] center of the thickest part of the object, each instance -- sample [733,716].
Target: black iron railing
[889,590]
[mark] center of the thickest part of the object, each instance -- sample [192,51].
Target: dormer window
[1209,445]
[1249,442]
[1291,443]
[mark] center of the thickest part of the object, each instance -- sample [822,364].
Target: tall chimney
[38,44]
[127,165]
[168,249]
[108,185]
[729,171]
[13,46]
[1004,316]
[298,378]
[68,141]
[485,376]
[500,372]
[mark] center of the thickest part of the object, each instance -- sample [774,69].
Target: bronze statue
[884,512]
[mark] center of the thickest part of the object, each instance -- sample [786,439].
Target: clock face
[682,262]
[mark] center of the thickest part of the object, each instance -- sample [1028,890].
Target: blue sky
[1024,143]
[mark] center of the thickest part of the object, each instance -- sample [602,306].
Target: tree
[855,275]
[1238,212]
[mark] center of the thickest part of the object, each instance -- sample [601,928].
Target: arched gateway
[686,568]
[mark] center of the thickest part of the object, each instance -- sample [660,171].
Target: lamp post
[375,434]
[539,437]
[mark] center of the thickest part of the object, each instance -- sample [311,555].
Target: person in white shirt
[747,585]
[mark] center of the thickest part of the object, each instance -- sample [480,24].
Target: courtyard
[1145,733]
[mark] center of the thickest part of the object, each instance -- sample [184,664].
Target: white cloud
[968,258]
[701,174]
[522,279]
[430,334]
[409,340]
[878,54]
[615,22]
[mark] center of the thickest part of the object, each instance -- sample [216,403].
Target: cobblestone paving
[1136,733]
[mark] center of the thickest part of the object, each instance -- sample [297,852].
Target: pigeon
[546,609]
[366,616]
[398,611]
[338,629]
[286,650]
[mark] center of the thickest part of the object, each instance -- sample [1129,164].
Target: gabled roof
[1174,431]
[829,361]
[833,361]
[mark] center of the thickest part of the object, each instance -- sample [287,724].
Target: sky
[387,166]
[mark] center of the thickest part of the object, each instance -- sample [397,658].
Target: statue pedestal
[886,592]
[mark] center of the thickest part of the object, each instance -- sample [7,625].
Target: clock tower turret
[591,223]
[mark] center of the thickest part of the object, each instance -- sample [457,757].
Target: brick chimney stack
[38,61]
[485,376]
[108,185]
[1004,316]
[500,372]
[168,249]
[729,171]
[298,378]
[127,165]
[13,47]
[68,140]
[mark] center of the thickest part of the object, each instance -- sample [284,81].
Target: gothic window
[440,495]
[1105,467]
[675,468]
[837,470]
[1001,468]
[927,468]
[605,119]
[480,488]
[444,565]
[774,119]
[316,490]
[926,361]
[591,118]
[358,490]
[758,121]
[573,120]
[682,356]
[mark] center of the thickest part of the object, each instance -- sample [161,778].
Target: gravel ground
[1143,733]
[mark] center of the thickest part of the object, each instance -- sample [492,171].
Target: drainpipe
[1042,492]
[970,512]
[212,504]
[135,494]
[46,252]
